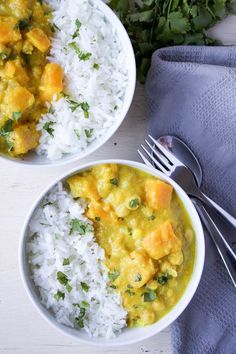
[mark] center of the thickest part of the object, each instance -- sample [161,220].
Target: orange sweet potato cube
[161,241]
[24,138]
[51,82]
[39,39]
[158,194]
[9,32]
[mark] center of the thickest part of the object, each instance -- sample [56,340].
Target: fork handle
[220,210]
[209,202]
[227,254]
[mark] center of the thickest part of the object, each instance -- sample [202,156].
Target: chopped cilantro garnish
[24,24]
[138,277]
[74,105]
[85,107]
[79,320]
[84,304]
[66,261]
[113,275]
[129,292]
[85,286]
[134,203]
[80,227]
[48,127]
[62,278]
[59,295]
[82,55]
[3,56]
[68,287]
[5,133]
[114,181]
[78,25]
[97,218]
[96,66]
[149,296]
[88,132]
[163,279]
[16,115]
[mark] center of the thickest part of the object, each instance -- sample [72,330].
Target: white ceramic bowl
[34,160]
[128,335]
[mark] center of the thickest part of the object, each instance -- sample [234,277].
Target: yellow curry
[27,80]
[146,234]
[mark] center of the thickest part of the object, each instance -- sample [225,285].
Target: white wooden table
[22,330]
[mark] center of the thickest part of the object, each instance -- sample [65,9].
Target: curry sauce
[146,234]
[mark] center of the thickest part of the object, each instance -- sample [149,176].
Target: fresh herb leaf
[84,304]
[59,295]
[24,24]
[7,128]
[138,277]
[163,279]
[82,55]
[85,107]
[96,66]
[85,286]
[5,133]
[129,292]
[97,218]
[78,25]
[48,127]
[114,181]
[3,56]
[80,227]
[113,275]
[16,115]
[66,262]
[153,24]
[74,105]
[88,133]
[68,287]
[134,203]
[62,278]
[149,296]
[79,320]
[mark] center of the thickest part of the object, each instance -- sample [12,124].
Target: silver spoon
[183,152]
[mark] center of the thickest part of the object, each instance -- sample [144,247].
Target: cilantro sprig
[152,24]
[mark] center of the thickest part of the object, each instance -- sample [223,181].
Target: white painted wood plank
[22,330]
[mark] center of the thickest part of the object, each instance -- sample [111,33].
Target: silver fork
[174,168]
[166,162]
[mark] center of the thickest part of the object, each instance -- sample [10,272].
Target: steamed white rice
[51,242]
[100,81]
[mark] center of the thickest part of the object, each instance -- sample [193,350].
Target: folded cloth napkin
[191,93]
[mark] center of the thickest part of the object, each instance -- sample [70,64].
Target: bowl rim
[188,293]
[99,142]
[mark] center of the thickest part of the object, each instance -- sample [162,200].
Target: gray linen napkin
[191,93]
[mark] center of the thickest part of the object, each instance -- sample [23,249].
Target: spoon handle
[227,254]
[209,202]
[220,210]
